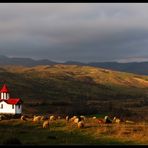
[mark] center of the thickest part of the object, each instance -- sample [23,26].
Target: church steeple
[4,92]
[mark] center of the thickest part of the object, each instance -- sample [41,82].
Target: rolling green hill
[63,81]
[71,84]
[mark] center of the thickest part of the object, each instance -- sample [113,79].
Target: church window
[13,106]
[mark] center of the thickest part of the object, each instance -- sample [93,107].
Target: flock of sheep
[78,120]
[46,121]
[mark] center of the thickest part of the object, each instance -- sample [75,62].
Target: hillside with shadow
[76,89]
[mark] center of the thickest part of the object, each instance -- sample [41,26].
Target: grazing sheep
[37,118]
[46,124]
[80,124]
[107,119]
[52,118]
[116,120]
[34,116]
[94,117]
[83,118]
[73,118]
[76,120]
[23,118]
[67,118]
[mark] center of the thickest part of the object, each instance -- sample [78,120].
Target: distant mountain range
[4,60]
[132,67]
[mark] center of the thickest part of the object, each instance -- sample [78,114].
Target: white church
[9,105]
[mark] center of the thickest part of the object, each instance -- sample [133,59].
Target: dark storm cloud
[82,32]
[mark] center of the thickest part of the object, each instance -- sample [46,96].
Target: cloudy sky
[83,32]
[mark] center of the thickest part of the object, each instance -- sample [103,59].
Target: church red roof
[12,101]
[4,89]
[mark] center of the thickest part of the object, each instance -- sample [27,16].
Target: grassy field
[61,132]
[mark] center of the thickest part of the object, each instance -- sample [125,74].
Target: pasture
[62,132]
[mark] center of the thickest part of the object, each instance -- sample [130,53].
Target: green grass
[61,133]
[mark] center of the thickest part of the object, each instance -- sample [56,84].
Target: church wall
[7,108]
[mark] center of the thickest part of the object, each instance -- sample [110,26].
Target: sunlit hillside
[73,73]
[69,86]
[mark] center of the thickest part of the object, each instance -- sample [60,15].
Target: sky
[84,32]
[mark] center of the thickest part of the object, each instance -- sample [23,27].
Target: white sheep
[80,124]
[52,118]
[23,118]
[94,117]
[83,118]
[46,124]
[37,118]
[107,119]
[67,118]
[76,120]
[116,120]
[73,118]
